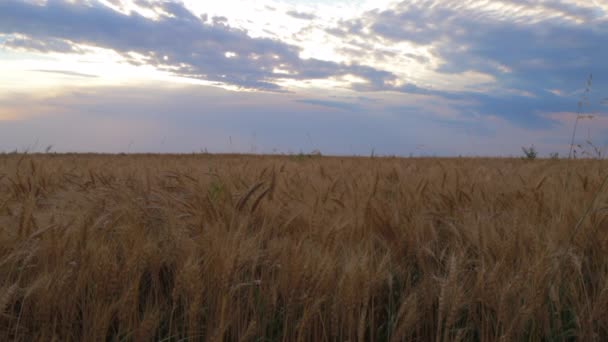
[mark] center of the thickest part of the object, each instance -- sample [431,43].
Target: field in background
[267,248]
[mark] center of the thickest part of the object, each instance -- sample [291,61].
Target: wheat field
[301,248]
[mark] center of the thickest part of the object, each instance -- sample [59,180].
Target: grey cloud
[468,126]
[184,119]
[220,20]
[419,58]
[358,49]
[118,3]
[562,7]
[348,106]
[347,28]
[408,88]
[47,45]
[529,54]
[357,98]
[181,43]
[301,15]
[65,72]
[155,118]
[415,25]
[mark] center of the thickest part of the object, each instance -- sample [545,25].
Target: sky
[418,77]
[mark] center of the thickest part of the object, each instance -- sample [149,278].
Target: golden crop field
[287,248]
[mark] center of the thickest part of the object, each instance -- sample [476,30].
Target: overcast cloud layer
[458,76]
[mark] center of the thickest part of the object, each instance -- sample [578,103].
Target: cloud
[525,46]
[184,119]
[156,117]
[346,28]
[301,15]
[363,99]
[178,41]
[347,106]
[44,46]
[66,72]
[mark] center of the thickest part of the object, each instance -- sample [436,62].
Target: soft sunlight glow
[7,115]
[282,71]
[98,67]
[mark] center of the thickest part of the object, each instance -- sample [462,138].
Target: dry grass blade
[243,201]
[6,296]
[259,199]
[589,208]
[540,183]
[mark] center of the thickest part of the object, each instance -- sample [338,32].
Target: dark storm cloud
[529,53]
[44,46]
[180,42]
